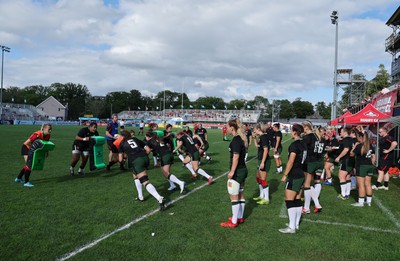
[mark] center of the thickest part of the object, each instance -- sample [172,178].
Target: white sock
[235,211]
[330,180]
[174,179]
[348,188]
[369,199]
[343,188]
[315,198]
[245,156]
[171,184]
[323,174]
[298,215]
[242,204]
[181,157]
[307,198]
[80,170]
[155,160]
[207,157]
[190,168]
[317,189]
[266,193]
[361,201]
[152,190]
[292,217]
[139,188]
[203,173]
[261,191]
[71,168]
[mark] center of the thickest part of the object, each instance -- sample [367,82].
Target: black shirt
[133,147]
[237,147]
[314,147]
[263,143]
[347,142]
[299,148]
[188,143]
[84,133]
[363,159]
[202,133]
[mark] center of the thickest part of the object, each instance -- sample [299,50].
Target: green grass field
[95,217]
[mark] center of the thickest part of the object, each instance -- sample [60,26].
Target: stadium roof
[395,18]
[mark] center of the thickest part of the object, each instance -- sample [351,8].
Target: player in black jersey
[314,167]
[364,165]
[345,164]
[387,145]
[276,145]
[202,133]
[81,147]
[193,153]
[293,176]
[237,173]
[264,163]
[138,161]
[332,151]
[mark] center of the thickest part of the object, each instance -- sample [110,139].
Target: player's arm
[289,166]
[342,154]
[109,128]
[195,136]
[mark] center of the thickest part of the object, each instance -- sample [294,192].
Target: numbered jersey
[188,143]
[363,159]
[299,148]
[133,148]
[315,149]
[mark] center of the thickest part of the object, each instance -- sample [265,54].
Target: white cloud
[228,49]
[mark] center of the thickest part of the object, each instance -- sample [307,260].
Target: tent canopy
[366,116]
[339,120]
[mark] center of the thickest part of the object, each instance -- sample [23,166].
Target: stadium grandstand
[206,116]
[25,112]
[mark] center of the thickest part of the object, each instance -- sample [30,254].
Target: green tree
[323,109]
[236,104]
[34,94]
[73,96]
[209,102]
[282,109]
[302,109]
[381,80]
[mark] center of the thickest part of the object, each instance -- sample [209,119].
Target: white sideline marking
[128,225]
[352,225]
[386,211]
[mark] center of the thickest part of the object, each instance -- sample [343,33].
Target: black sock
[21,173]
[386,183]
[378,184]
[27,174]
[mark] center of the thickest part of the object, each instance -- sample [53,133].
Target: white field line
[385,210]
[352,225]
[128,225]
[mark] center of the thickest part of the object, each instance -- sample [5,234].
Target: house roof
[48,99]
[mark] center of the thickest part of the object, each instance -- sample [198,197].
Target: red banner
[385,102]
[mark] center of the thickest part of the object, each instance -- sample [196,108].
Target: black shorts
[24,150]
[114,149]
[385,162]
[110,143]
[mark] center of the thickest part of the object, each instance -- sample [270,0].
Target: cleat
[239,220]
[171,188]
[383,187]
[263,201]
[368,204]
[139,199]
[28,184]
[210,180]
[287,230]
[317,210]
[357,204]
[182,186]
[194,176]
[341,197]
[162,203]
[327,183]
[228,224]
[297,226]
[258,198]
[19,180]
[71,171]
[208,160]
[305,211]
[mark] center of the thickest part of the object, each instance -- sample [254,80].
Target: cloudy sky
[225,48]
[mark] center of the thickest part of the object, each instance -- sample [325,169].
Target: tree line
[79,101]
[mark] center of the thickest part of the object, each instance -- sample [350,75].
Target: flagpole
[183,85]
[164,103]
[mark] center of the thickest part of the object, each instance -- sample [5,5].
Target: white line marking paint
[128,225]
[352,225]
[385,210]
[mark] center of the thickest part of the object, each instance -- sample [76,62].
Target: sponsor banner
[385,102]
[22,122]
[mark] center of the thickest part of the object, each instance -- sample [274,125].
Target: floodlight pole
[3,49]
[335,21]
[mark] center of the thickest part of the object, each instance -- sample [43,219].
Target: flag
[225,107]
[191,106]
[171,106]
[138,108]
[213,107]
[202,106]
[157,108]
[248,106]
[235,107]
[147,108]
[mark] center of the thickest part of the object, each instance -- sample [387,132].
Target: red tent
[339,120]
[366,116]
